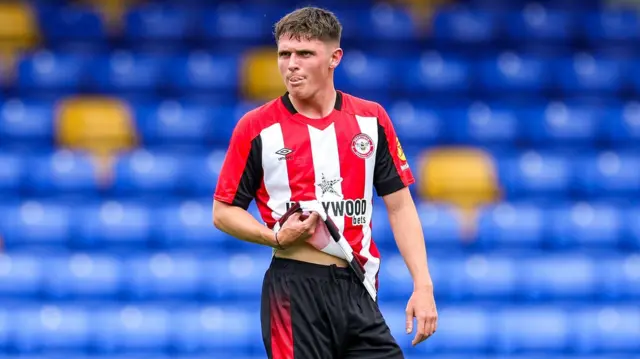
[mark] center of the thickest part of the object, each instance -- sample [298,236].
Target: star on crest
[326,186]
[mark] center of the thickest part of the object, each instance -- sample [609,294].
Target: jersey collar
[286,101]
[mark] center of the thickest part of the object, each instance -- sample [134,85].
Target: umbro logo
[284,152]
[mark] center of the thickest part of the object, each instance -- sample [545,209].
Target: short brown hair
[309,23]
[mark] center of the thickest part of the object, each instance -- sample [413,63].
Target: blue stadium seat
[145,171]
[534,173]
[199,72]
[114,223]
[440,223]
[155,22]
[511,71]
[27,120]
[160,274]
[64,25]
[394,278]
[354,73]
[220,23]
[51,328]
[216,328]
[620,276]
[621,125]
[47,72]
[34,222]
[381,231]
[133,328]
[632,232]
[586,224]
[396,282]
[584,73]
[202,171]
[128,73]
[21,274]
[12,169]
[189,224]
[81,275]
[557,276]
[384,21]
[417,124]
[608,329]
[535,329]
[558,122]
[483,276]
[464,26]
[485,124]
[463,329]
[62,172]
[436,72]
[183,123]
[511,225]
[237,276]
[5,329]
[537,23]
[610,174]
[611,25]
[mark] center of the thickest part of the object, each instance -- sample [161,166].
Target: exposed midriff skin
[306,253]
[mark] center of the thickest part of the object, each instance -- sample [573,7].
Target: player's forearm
[241,224]
[410,240]
[409,237]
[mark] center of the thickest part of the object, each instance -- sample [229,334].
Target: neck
[317,106]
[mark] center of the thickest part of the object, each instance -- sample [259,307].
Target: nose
[293,63]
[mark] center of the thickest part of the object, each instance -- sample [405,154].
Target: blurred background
[521,122]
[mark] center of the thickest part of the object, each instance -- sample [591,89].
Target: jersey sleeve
[241,172]
[392,171]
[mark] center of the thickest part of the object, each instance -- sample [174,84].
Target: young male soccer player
[317,143]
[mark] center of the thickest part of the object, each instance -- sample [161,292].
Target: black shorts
[312,311]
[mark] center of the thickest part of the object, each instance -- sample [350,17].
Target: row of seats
[98,223]
[421,123]
[109,327]
[568,176]
[534,276]
[173,23]
[210,71]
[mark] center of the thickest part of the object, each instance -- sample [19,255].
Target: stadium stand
[114,121]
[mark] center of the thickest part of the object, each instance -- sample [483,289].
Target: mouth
[294,80]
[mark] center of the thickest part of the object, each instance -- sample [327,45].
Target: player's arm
[409,236]
[240,224]
[238,182]
[392,176]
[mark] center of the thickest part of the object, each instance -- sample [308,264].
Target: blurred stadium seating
[114,122]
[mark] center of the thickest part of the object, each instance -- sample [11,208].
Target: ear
[336,57]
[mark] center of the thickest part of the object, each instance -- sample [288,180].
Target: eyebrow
[282,52]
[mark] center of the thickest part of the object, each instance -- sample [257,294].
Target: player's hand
[422,306]
[296,229]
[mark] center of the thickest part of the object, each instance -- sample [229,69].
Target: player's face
[306,66]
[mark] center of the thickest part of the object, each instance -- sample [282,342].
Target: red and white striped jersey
[277,156]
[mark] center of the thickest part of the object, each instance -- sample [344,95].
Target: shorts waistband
[312,269]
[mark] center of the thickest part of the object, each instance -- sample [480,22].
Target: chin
[299,93]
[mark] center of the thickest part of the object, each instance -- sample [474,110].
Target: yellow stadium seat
[101,125]
[18,23]
[19,31]
[260,76]
[463,176]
